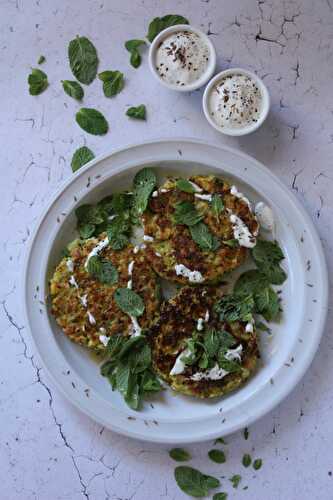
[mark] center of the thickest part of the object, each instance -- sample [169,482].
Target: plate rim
[321,261]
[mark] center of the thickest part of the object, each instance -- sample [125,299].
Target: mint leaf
[267,255]
[203,237]
[179,454]
[159,24]
[89,214]
[186,213]
[185,185]
[220,496]
[83,59]
[81,156]
[235,307]
[220,440]
[133,47]
[92,121]
[41,59]
[37,81]
[73,89]
[257,464]
[235,480]
[193,482]
[217,205]
[143,185]
[86,230]
[246,461]
[217,456]
[103,270]
[113,82]
[231,243]
[129,302]
[251,281]
[138,112]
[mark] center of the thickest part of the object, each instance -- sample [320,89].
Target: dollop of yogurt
[179,365]
[192,276]
[182,58]
[242,233]
[265,216]
[235,101]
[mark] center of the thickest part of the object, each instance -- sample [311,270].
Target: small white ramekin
[204,77]
[265,102]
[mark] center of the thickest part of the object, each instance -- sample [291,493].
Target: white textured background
[48,450]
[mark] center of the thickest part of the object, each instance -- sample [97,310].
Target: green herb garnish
[92,121]
[129,301]
[179,454]
[186,213]
[159,24]
[246,461]
[37,81]
[193,482]
[235,480]
[138,112]
[129,368]
[217,456]
[104,271]
[83,59]
[217,205]
[203,237]
[41,59]
[143,185]
[81,156]
[185,185]
[73,89]
[133,48]
[220,496]
[113,82]
[267,255]
[235,307]
[257,464]
[220,440]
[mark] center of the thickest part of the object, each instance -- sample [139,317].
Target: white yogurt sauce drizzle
[235,102]
[179,365]
[182,58]
[96,250]
[265,216]
[196,188]
[84,300]
[72,281]
[201,321]
[205,197]
[242,233]
[192,276]
[234,191]
[91,318]
[214,373]
[104,340]
[70,265]
[146,237]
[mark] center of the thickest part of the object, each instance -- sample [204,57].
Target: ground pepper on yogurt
[235,101]
[182,58]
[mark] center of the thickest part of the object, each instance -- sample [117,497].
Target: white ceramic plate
[285,355]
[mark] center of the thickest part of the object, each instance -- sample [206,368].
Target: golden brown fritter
[178,320]
[173,243]
[85,308]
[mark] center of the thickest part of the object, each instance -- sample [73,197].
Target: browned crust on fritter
[177,322]
[69,311]
[176,240]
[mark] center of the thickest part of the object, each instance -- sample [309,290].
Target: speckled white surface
[47,448]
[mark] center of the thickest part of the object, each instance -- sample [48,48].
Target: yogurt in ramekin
[236,102]
[182,58]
